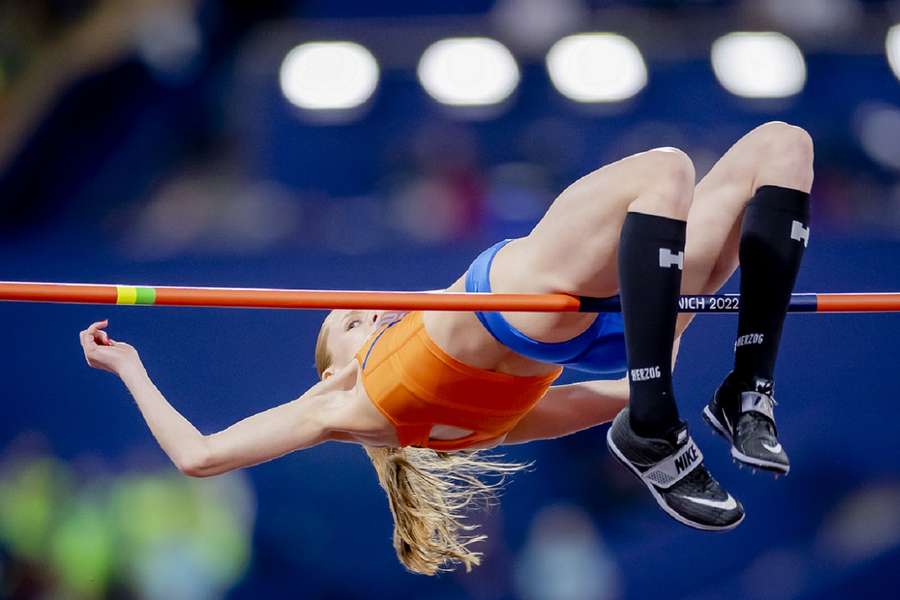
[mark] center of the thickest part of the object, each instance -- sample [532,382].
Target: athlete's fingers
[96,334]
[86,338]
[88,345]
[98,325]
[99,337]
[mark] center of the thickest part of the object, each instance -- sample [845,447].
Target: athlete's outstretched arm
[565,409]
[272,433]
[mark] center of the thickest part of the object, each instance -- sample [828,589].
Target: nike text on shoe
[673,471]
[744,414]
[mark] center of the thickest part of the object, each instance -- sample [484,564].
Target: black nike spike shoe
[744,414]
[673,471]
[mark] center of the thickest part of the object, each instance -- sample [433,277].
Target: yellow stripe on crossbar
[126,294]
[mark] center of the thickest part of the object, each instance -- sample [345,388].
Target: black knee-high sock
[651,258]
[774,234]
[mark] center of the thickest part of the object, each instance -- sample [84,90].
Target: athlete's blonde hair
[430,494]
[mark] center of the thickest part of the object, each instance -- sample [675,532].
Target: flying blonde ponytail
[430,494]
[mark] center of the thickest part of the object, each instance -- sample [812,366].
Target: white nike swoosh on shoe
[776,449]
[728,504]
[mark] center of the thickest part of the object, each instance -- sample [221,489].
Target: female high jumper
[416,388]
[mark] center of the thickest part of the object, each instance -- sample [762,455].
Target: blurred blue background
[153,142]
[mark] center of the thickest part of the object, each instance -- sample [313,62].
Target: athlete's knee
[670,178]
[671,165]
[787,140]
[786,153]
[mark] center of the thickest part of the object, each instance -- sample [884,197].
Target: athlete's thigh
[573,249]
[714,221]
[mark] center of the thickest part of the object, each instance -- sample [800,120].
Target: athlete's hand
[345,382]
[102,352]
[345,378]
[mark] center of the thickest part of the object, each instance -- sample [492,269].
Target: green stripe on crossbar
[145,295]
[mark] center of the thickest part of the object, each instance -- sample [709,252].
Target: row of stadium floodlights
[587,68]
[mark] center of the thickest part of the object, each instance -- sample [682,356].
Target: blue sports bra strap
[478,280]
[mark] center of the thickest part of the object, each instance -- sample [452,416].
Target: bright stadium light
[468,71]
[892,46]
[759,64]
[328,75]
[596,67]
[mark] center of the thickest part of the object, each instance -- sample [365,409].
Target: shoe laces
[751,422]
[700,480]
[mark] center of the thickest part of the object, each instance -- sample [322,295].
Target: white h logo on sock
[800,233]
[669,259]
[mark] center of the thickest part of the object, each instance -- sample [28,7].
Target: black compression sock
[774,234]
[651,258]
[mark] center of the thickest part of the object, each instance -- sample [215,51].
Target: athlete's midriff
[417,385]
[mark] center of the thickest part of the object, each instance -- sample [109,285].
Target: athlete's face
[347,331]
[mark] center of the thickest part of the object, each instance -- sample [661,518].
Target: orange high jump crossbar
[82,293]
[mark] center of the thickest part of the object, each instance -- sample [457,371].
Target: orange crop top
[416,385]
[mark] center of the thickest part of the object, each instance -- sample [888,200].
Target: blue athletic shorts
[599,350]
